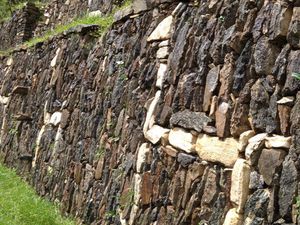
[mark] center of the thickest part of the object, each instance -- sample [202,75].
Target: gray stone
[185,160]
[268,163]
[190,120]
[256,207]
[256,181]
[288,186]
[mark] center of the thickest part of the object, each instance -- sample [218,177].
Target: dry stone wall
[185,113]
[20,27]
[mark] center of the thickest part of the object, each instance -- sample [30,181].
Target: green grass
[7,9]
[296,75]
[19,205]
[104,23]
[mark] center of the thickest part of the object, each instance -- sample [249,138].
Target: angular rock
[292,84]
[223,115]
[259,106]
[55,118]
[164,43]
[294,29]
[244,138]
[253,149]
[162,31]
[139,6]
[155,133]
[4,100]
[21,90]
[212,81]
[264,56]
[190,120]
[53,61]
[162,53]
[233,218]
[280,21]
[161,75]
[143,153]
[240,179]
[99,169]
[288,187]
[289,100]
[268,163]
[256,181]
[185,160]
[22,117]
[170,151]
[256,207]
[213,149]
[183,140]
[150,113]
[277,141]
[123,13]
[137,189]
[284,112]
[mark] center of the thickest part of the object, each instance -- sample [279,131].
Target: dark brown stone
[269,162]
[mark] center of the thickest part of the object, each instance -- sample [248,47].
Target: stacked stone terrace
[183,113]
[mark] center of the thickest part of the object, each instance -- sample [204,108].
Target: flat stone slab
[190,120]
[180,138]
[213,149]
[162,31]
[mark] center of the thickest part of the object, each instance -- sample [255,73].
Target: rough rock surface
[76,109]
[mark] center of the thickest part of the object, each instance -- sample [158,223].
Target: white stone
[213,106]
[137,188]
[244,138]
[178,8]
[37,145]
[143,152]
[258,138]
[9,61]
[95,13]
[155,133]
[4,100]
[161,75]
[164,43]
[133,213]
[240,179]
[277,141]
[233,218]
[256,143]
[179,138]
[286,100]
[213,149]
[53,62]
[55,118]
[162,31]
[162,53]
[150,112]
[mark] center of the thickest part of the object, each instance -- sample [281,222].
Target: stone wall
[185,113]
[20,27]
[63,11]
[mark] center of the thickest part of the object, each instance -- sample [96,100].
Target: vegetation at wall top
[19,205]
[104,22]
[7,7]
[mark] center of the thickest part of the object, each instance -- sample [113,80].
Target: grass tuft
[19,205]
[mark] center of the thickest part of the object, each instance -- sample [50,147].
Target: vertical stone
[223,115]
[288,187]
[212,80]
[268,163]
[240,184]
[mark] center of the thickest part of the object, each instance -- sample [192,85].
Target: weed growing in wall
[296,75]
